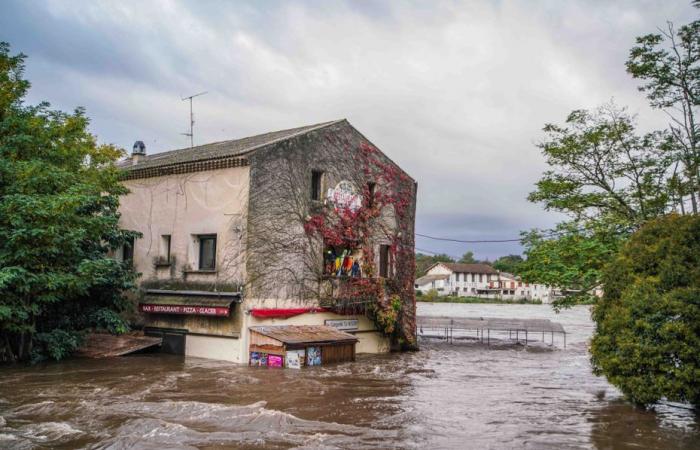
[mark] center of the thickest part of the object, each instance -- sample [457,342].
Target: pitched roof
[223,149]
[304,334]
[425,279]
[469,268]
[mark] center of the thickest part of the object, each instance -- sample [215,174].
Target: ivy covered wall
[291,231]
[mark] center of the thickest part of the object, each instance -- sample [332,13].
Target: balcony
[347,295]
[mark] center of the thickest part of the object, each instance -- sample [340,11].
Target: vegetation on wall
[388,300]
[647,338]
[59,195]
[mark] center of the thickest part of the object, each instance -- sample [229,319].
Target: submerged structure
[307,227]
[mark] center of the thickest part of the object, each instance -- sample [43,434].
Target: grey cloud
[455,92]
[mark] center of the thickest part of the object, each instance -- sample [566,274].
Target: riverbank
[475,300]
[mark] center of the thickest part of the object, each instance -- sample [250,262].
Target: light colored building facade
[479,280]
[228,244]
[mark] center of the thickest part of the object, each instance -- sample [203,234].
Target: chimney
[138,152]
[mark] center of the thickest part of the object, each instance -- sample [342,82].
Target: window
[128,251]
[481,278]
[384,261]
[207,251]
[370,193]
[165,248]
[316,178]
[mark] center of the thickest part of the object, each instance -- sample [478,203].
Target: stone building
[307,226]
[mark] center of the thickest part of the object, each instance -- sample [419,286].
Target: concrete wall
[226,349]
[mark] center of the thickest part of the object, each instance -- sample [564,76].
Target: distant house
[479,280]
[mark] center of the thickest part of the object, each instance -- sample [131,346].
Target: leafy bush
[59,195]
[647,339]
[56,344]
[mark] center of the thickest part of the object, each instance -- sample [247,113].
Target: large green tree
[647,338]
[668,63]
[508,263]
[608,180]
[601,169]
[571,260]
[59,194]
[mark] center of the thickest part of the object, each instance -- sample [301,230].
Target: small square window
[207,251]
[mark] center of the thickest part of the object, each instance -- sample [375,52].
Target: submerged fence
[521,330]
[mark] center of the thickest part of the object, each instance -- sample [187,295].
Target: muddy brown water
[465,395]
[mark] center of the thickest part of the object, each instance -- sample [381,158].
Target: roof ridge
[227,148]
[307,129]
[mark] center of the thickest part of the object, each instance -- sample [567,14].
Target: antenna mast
[191,133]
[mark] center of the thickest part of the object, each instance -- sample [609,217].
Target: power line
[426,251]
[468,241]
[487,241]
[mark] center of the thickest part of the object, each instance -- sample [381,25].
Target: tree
[609,181]
[508,263]
[572,259]
[669,64]
[59,193]
[602,170]
[647,338]
[467,258]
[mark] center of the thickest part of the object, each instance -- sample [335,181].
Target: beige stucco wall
[183,206]
[439,270]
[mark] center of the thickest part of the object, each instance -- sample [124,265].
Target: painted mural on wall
[344,196]
[313,356]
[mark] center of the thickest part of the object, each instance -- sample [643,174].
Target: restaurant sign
[217,311]
[343,324]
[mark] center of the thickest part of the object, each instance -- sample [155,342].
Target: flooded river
[463,395]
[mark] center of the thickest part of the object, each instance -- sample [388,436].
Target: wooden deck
[103,345]
[525,330]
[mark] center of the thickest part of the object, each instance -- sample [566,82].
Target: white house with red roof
[479,280]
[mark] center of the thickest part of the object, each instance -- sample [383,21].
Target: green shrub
[647,339]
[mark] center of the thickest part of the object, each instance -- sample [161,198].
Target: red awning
[269,313]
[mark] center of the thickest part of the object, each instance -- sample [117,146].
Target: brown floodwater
[463,395]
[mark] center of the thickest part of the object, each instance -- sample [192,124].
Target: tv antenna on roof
[191,133]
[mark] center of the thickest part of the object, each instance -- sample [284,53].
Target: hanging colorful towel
[356,271]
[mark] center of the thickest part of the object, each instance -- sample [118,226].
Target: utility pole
[191,133]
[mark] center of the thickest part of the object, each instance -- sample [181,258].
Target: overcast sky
[455,92]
